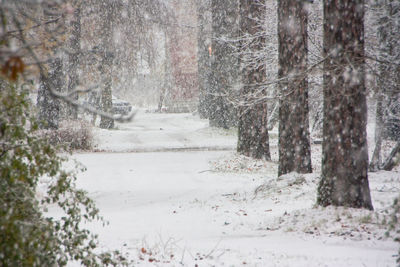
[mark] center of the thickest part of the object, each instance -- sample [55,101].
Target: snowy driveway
[175,209]
[165,132]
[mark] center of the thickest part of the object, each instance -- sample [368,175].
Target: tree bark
[376,160]
[203,52]
[388,82]
[389,67]
[253,139]
[344,180]
[273,117]
[224,64]
[106,68]
[393,159]
[49,106]
[75,46]
[294,133]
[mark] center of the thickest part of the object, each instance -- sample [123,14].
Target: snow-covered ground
[164,132]
[176,194]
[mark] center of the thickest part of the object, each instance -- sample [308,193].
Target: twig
[35,26]
[205,171]
[213,250]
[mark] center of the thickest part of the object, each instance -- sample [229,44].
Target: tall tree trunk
[224,64]
[203,51]
[383,81]
[344,180]
[253,138]
[106,93]
[74,56]
[376,160]
[389,76]
[168,79]
[49,106]
[294,134]
[388,82]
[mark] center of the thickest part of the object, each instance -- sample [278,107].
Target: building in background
[182,56]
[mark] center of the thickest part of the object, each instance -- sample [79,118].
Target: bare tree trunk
[49,106]
[376,160]
[393,159]
[253,138]
[106,93]
[383,83]
[388,80]
[106,68]
[273,116]
[224,64]
[294,134]
[344,180]
[389,76]
[203,51]
[75,46]
[167,74]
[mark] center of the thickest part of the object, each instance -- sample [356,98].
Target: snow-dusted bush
[71,134]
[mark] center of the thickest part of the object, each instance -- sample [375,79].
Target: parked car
[121,107]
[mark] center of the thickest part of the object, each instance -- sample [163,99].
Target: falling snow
[225,133]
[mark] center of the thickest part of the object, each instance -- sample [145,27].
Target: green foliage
[27,236]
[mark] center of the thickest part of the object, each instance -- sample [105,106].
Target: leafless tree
[388,81]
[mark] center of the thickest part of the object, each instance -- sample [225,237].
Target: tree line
[237,45]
